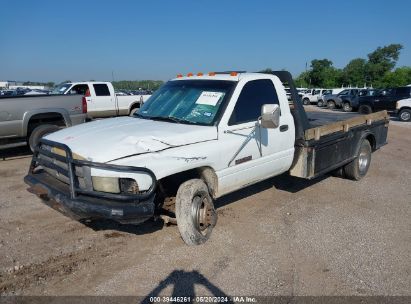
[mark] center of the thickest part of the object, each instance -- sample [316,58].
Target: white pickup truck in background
[101,98]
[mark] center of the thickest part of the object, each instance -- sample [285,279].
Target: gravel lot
[284,236]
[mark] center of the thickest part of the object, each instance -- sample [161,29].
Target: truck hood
[110,139]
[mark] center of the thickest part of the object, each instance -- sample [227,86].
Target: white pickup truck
[196,139]
[101,98]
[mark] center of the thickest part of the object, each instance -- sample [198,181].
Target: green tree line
[136,84]
[377,71]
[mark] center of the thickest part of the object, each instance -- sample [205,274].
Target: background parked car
[350,102]
[312,96]
[385,99]
[403,109]
[322,99]
[335,101]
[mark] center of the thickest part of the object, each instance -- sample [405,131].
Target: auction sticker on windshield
[209,98]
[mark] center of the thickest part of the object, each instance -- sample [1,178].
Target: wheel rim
[331,104]
[347,107]
[405,115]
[363,161]
[203,214]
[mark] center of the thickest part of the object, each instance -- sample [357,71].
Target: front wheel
[306,101]
[364,109]
[405,115]
[358,168]
[347,107]
[331,104]
[320,103]
[195,213]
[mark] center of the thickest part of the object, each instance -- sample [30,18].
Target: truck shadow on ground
[282,182]
[183,284]
[15,153]
[147,227]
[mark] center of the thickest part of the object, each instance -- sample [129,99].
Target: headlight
[106,184]
[115,185]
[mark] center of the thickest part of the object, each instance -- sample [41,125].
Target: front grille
[58,161]
[54,162]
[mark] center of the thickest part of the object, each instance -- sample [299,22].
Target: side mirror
[270,116]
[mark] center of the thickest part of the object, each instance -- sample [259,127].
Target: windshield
[187,101]
[60,89]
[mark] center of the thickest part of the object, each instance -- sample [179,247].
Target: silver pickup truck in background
[25,119]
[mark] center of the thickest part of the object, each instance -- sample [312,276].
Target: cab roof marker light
[189,74]
[211,74]
[233,74]
[179,75]
[200,74]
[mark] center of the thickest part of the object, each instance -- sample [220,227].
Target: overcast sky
[134,40]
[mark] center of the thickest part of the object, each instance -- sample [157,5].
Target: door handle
[283,128]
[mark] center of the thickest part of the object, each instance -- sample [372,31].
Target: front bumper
[86,204]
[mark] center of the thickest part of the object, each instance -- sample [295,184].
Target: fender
[27,116]
[364,135]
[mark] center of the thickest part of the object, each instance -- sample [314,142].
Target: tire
[347,107]
[195,213]
[133,110]
[364,109]
[38,133]
[358,168]
[320,103]
[306,101]
[331,104]
[405,115]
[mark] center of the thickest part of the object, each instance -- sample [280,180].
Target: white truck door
[244,156]
[102,102]
[278,143]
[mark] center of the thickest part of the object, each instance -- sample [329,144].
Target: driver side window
[254,94]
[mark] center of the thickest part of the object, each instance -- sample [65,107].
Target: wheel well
[372,141]
[404,108]
[169,184]
[52,118]
[135,105]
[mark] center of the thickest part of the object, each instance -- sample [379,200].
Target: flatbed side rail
[70,173]
[345,125]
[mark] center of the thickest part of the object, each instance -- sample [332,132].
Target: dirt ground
[284,236]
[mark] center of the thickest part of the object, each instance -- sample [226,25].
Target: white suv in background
[311,96]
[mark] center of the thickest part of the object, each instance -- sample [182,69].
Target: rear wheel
[38,133]
[347,107]
[331,104]
[306,101]
[405,115]
[195,213]
[358,168]
[365,109]
[320,103]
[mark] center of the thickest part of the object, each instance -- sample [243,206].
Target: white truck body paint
[167,148]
